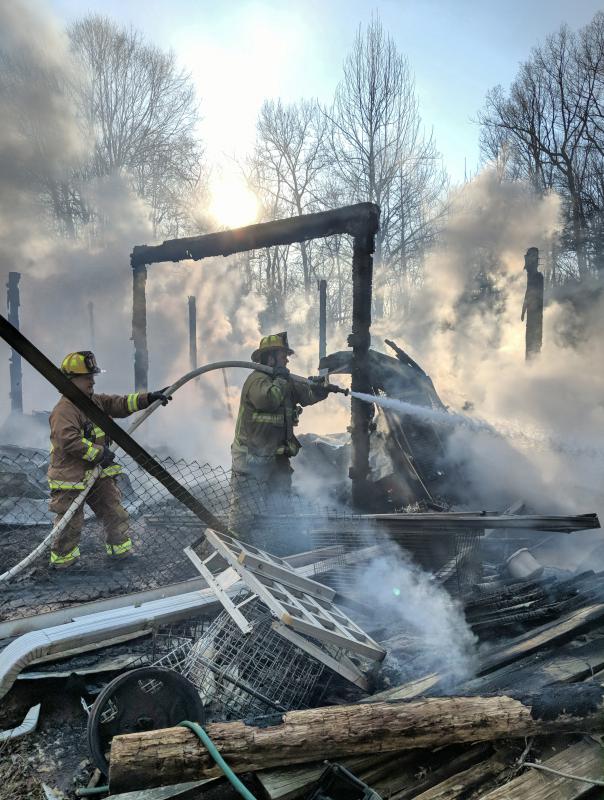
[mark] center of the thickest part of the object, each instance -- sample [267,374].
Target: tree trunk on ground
[174,755]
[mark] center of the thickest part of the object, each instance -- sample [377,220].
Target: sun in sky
[232,203]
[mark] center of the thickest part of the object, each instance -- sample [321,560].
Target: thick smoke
[44,145]
[466,331]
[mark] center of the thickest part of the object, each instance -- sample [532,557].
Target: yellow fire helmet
[274,341]
[82,362]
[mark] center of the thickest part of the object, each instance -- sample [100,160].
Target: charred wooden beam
[533,304]
[476,520]
[322,318]
[15,371]
[360,341]
[356,220]
[139,328]
[166,756]
[583,760]
[192,333]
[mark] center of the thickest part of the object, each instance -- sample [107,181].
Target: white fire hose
[79,500]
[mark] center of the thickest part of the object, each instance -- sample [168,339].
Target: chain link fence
[161,527]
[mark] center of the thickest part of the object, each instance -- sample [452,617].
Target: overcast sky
[242,51]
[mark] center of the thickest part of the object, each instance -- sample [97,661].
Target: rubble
[292,652]
[536,630]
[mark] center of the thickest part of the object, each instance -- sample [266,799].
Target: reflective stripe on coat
[76,444]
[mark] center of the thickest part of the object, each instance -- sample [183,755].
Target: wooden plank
[428,769]
[287,577]
[571,662]
[390,775]
[291,783]
[216,585]
[583,759]
[451,521]
[459,786]
[561,629]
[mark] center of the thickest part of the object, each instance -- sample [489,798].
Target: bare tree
[143,115]
[549,128]
[379,150]
[287,162]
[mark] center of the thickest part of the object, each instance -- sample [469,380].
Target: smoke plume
[465,330]
[427,629]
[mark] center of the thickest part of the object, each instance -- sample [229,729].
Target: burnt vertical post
[91,325]
[192,333]
[15,371]
[322,318]
[533,304]
[139,328]
[360,340]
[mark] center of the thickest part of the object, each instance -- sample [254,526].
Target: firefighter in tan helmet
[76,447]
[264,435]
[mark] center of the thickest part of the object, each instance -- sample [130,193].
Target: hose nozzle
[321,380]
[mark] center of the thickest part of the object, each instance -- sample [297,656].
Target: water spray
[456,420]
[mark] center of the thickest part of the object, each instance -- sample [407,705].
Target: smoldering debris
[432,633]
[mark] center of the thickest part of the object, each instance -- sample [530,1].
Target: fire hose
[18,342]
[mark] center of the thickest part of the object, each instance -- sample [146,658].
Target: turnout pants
[249,490]
[105,499]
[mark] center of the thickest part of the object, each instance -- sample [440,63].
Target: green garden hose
[211,748]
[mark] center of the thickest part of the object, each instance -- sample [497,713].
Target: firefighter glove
[281,372]
[107,458]
[161,395]
[320,391]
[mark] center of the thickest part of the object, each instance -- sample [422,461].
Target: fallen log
[173,755]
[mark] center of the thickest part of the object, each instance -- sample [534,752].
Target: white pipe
[29,724]
[92,631]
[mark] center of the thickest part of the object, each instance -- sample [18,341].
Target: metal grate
[240,675]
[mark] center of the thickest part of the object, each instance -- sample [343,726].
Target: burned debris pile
[319,660]
[423,646]
[424,649]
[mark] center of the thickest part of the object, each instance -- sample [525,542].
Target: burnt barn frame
[360,221]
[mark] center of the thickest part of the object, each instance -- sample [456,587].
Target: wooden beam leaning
[563,629]
[164,756]
[359,219]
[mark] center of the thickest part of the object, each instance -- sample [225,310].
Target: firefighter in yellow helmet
[76,447]
[264,435]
